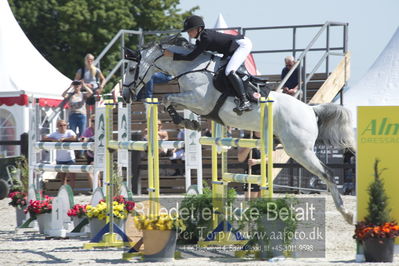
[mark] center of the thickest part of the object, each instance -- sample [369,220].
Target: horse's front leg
[185,99]
[182,99]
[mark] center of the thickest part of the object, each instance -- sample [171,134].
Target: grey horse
[297,125]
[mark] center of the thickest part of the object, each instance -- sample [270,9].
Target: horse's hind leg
[308,159]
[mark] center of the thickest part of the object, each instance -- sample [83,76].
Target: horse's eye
[131,69]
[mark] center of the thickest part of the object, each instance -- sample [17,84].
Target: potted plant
[159,236]
[97,214]
[41,209]
[19,201]
[377,231]
[273,216]
[197,224]
[77,213]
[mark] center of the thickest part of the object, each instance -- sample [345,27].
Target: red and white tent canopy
[24,72]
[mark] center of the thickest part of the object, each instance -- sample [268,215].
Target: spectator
[253,165]
[63,156]
[93,78]
[88,136]
[76,95]
[177,156]
[77,104]
[156,78]
[291,86]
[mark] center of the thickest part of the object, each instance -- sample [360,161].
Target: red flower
[365,231]
[77,210]
[18,199]
[40,206]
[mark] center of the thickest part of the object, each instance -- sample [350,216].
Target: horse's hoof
[237,111]
[191,124]
[348,216]
[196,125]
[126,95]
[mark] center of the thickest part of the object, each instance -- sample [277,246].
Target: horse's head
[142,64]
[140,69]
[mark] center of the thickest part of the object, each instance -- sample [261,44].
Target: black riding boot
[238,86]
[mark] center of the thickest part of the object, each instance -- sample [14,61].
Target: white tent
[380,85]
[24,73]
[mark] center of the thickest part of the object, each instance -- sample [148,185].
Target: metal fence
[323,52]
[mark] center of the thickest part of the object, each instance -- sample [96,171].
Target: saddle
[252,84]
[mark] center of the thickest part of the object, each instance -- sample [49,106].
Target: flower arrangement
[121,208]
[159,222]
[18,199]
[40,206]
[129,205]
[386,230]
[77,210]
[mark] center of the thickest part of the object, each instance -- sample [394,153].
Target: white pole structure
[193,152]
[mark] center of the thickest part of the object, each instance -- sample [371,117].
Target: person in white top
[63,156]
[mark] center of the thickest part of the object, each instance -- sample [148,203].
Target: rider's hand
[167,53]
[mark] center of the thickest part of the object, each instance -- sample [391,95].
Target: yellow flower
[158,222]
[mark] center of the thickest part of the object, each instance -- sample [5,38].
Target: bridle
[137,78]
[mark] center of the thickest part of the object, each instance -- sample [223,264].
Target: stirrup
[244,106]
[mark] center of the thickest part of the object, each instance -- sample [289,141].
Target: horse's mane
[180,45]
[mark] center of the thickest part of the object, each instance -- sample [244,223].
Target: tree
[64,31]
[378,212]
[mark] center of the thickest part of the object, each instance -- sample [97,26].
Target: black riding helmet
[193,22]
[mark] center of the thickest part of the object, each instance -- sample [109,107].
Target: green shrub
[196,223]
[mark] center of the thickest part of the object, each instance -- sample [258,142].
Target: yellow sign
[378,138]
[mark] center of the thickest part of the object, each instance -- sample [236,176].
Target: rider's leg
[239,56]
[238,86]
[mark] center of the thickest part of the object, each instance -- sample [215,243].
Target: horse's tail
[335,126]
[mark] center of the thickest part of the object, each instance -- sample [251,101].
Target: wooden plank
[334,82]
[57,185]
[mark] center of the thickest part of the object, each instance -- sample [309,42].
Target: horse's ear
[132,55]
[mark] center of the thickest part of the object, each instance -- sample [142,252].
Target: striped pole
[63,168]
[64,146]
[153,154]
[263,184]
[270,145]
[215,181]
[109,237]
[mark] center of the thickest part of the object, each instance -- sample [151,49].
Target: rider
[236,46]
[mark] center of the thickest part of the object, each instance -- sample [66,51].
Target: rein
[197,70]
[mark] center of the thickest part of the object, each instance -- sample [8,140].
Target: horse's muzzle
[128,96]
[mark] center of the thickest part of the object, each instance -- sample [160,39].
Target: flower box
[159,236]
[159,245]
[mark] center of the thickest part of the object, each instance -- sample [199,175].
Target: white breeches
[239,55]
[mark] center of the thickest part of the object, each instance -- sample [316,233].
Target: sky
[372,23]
